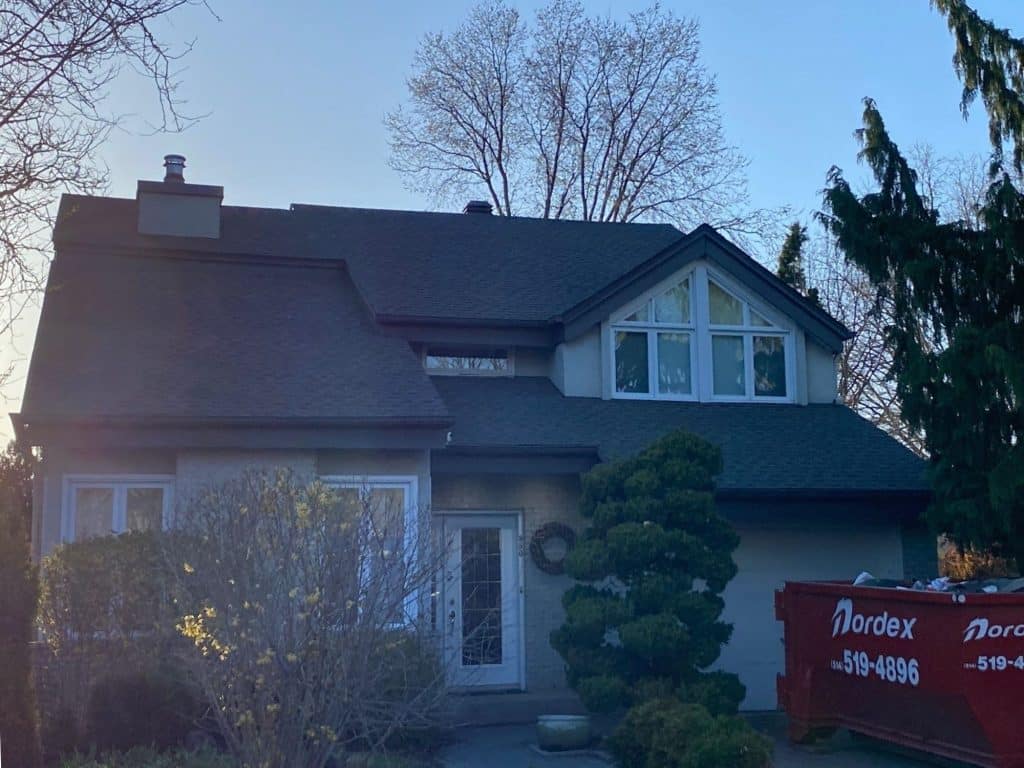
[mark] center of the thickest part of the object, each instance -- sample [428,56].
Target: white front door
[481,600]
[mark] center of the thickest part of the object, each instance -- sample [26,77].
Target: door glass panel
[727,365]
[481,596]
[769,366]
[94,512]
[674,363]
[145,509]
[631,362]
[723,308]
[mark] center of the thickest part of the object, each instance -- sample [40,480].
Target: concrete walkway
[513,746]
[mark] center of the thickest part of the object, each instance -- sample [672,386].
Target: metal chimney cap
[478,206]
[174,168]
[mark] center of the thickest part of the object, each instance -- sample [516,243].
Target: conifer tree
[645,619]
[791,261]
[19,729]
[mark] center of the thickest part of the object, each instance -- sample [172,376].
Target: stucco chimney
[172,207]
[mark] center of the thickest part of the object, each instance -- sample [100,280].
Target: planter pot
[557,733]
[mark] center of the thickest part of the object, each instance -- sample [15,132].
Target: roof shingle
[825,448]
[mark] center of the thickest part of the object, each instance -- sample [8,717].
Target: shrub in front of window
[301,607]
[103,611]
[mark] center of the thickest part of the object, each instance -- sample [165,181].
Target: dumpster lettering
[980,628]
[893,669]
[846,620]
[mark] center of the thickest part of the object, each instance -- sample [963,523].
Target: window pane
[145,509]
[673,306]
[727,364]
[94,512]
[642,315]
[723,308]
[481,596]
[447,360]
[387,548]
[631,362]
[769,366]
[756,319]
[674,364]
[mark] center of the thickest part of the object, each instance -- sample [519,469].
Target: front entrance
[481,600]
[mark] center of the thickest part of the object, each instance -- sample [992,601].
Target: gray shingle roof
[477,266]
[179,338]
[765,447]
[411,264]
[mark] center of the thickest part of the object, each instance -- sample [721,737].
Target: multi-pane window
[654,346]
[385,509]
[660,347]
[106,506]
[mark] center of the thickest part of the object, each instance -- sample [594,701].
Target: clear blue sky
[297,92]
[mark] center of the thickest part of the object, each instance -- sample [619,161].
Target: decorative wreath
[542,536]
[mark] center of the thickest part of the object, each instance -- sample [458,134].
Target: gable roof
[164,338]
[764,447]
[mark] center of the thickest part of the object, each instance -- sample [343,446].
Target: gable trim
[705,243]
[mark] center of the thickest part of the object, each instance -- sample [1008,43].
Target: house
[471,365]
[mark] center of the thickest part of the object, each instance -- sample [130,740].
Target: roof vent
[478,206]
[174,168]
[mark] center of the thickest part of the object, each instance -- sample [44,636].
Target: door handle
[451,621]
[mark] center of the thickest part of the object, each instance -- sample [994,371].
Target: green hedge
[144,757]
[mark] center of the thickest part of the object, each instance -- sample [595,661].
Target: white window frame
[746,331]
[119,484]
[701,330]
[410,485]
[482,372]
[652,328]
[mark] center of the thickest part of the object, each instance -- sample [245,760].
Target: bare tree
[308,609]
[58,60]
[572,117]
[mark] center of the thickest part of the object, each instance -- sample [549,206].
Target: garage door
[770,554]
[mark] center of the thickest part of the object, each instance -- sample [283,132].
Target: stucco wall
[200,470]
[576,366]
[540,499]
[821,374]
[779,549]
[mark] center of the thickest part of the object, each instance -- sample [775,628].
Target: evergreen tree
[956,336]
[645,621]
[19,728]
[791,259]
[989,61]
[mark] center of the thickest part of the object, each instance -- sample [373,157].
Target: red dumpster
[936,671]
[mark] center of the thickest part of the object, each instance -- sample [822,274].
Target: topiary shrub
[654,562]
[154,708]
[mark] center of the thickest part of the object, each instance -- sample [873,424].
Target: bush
[729,743]
[969,564]
[719,692]
[145,757]
[289,596]
[633,743]
[103,613]
[148,708]
[19,594]
[666,733]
